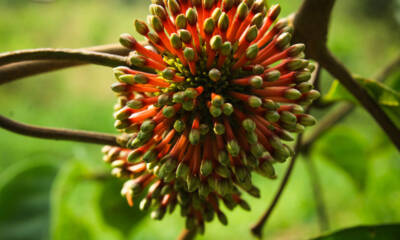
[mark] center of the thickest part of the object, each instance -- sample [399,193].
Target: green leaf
[379,232]
[385,96]
[347,150]
[25,200]
[88,207]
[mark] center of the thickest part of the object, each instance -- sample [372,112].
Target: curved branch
[58,134]
[339,71]
[14,71]
[104,59]
[258,227]
[340,113]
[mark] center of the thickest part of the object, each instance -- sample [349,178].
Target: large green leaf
[388,98]
[347,150]
[379,232]
[24,200]
[87,207]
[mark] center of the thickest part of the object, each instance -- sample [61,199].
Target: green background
[61,190]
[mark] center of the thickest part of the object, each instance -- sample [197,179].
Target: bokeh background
[61,190]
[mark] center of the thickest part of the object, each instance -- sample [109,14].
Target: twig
[387,71]
[187,235]
[104,59]
[318,196]
[14,71]
[257,228]
[58,134]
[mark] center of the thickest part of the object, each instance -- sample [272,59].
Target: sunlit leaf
[379,232]
[25,200]
[387,97]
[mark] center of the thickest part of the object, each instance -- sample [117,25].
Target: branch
[104,59]
[311,27]
[339,71]
[59,134]
[19,70]
[258,227]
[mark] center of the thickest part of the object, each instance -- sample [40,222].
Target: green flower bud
[242,11]
[181,21]
[227,108]
[175,41]
[219,129]
[252,137]
[215,112]
[249,125]
[193,183]
[209,26]
[233,148]
[254,102]
[223,22]
[168,111]
[182,171]
[156,23]
[206,167]
[150,156]
[288,117]
[252,51]
[223,158]
[179,125]
[214,74]
[194,136]
[292,94]
[216,42]
[226,49]
[256,82]
[272,116]
[185,36]
[189,54]
[191,16]
[307,120]
[252,34]
[141,27]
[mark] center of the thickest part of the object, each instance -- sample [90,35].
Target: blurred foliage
[387,232]
[82,202]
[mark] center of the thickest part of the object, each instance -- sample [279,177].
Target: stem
[187,235]
[24,69]
[58,134]
[258,227]
[104,59]
[318,196]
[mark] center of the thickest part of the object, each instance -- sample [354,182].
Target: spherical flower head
[211,98]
